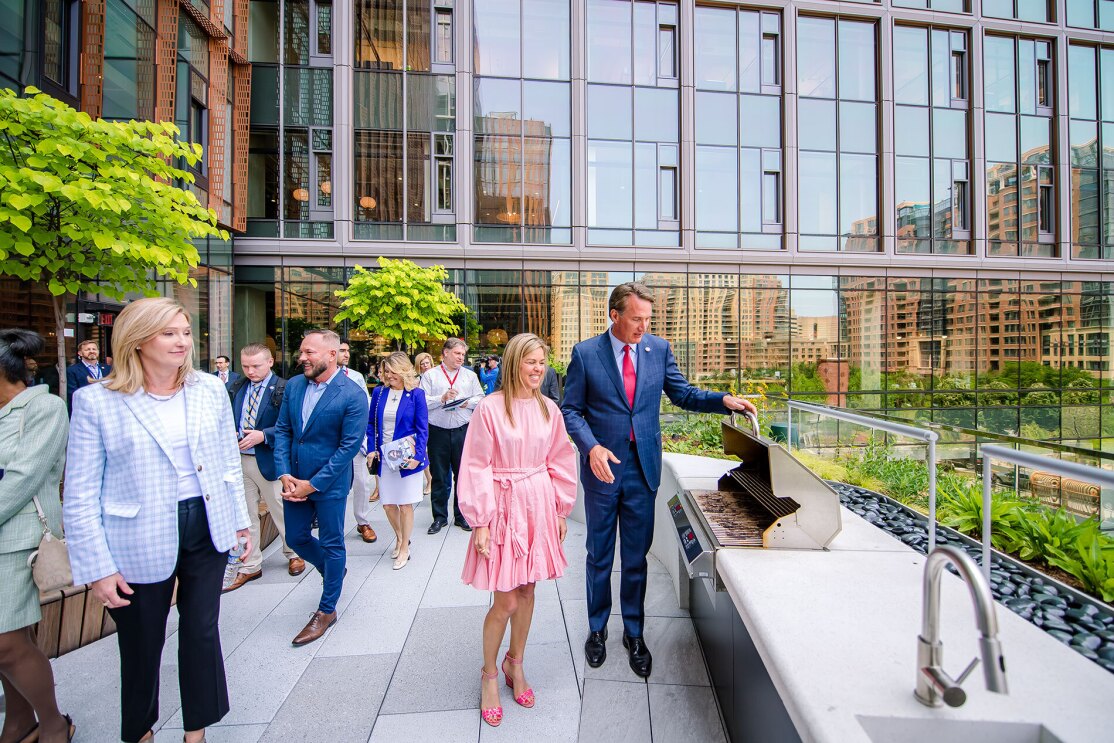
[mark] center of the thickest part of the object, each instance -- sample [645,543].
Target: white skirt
[396,490]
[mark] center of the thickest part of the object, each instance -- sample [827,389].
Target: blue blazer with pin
[412,419]
[269,405]
[596,410]
[322,449]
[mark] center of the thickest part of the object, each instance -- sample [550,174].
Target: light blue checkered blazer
[121,499]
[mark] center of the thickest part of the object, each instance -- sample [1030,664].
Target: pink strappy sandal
[526,698]
[492,715]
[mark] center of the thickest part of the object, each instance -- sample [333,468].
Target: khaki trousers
[256,487]
[361,490]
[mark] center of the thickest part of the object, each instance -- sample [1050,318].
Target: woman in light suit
[154,495]
[32,451]
[397,412]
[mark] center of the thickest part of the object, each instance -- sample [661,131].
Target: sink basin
[934,730]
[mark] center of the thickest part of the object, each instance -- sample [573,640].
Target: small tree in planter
[89,205]
[401,301]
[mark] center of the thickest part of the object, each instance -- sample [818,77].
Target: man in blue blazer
[256,400]
[612,411]
[320,428]
[87,369]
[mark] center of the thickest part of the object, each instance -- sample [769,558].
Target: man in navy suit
[87,369]
[256,399]
[612,411]
[224,372]
[320,428]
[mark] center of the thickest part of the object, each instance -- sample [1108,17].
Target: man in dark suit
[87,369]
[256,399]
[612,411]
[320,428]
[45,374]
[551,386]
[224,371]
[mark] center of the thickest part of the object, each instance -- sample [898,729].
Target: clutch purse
[50,563]
[397,453]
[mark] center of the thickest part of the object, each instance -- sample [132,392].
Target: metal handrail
[928,437]
[991,452]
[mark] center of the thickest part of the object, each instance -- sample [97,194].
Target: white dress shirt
[435,383]
[617,349]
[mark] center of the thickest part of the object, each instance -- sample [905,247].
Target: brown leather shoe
[366,533]
[297,566]
[241,579]
[318,623]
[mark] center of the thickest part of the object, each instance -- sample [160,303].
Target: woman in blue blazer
[398,411]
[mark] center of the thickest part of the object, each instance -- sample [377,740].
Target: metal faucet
[933,683]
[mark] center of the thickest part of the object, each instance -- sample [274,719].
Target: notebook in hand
[396,453]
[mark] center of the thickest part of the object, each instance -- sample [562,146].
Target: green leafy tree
[90,205]
[401,301]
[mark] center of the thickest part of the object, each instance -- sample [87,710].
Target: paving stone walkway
[403,661]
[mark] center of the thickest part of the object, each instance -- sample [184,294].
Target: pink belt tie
[506,518]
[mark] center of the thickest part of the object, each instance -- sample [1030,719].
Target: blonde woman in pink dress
[517,486]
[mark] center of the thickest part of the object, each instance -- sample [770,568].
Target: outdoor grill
[770,500]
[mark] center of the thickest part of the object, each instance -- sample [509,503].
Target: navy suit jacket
[77,376]
[412,419]
[596,410]
[269,406]
[232,376]
[322,451]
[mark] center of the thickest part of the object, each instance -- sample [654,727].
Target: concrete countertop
[837,631]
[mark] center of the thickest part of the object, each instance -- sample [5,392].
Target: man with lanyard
[361,485]
[87,370]
[452,393]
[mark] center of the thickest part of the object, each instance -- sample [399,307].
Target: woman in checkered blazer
[155,499]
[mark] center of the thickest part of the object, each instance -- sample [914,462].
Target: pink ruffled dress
[516,480]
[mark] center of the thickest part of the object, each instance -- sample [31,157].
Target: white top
[436,382]
[390,413]
[172,414]
[617,350]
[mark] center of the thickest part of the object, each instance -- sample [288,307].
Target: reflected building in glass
[897,206]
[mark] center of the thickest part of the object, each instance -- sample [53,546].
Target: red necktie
[629,381]
[628,375]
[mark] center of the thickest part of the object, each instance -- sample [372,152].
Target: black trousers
[141,632]
[444,447]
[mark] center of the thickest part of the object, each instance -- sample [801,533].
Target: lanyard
[451,381]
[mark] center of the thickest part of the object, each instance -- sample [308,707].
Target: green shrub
[1047,534]
[1089,556]
[959,504]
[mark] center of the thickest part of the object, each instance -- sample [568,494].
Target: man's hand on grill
[739,405]
[599,457]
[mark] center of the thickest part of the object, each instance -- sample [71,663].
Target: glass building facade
[897,206]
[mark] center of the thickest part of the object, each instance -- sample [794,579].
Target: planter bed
[1079,621]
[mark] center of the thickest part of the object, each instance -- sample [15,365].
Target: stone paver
[403,661]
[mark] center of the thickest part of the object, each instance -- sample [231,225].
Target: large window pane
[912,195]
[857,127]
[949,133]
[858,194]
[497,37]
[610,113]
[498,105]
[379,168]
[498,177]
[912,122]
[609,41]
[817,194]
[717,189]
[856,61]
[816,57]
[545,28]
[377,100]
[716,118]
[610,186]
[656,115]
[1081,82]
[545,106]
[998,72]
[816,124]
[760,116]
[715,52]
[910,65]
[379,34]
[263,31]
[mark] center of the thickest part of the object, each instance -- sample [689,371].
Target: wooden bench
[1078,497]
